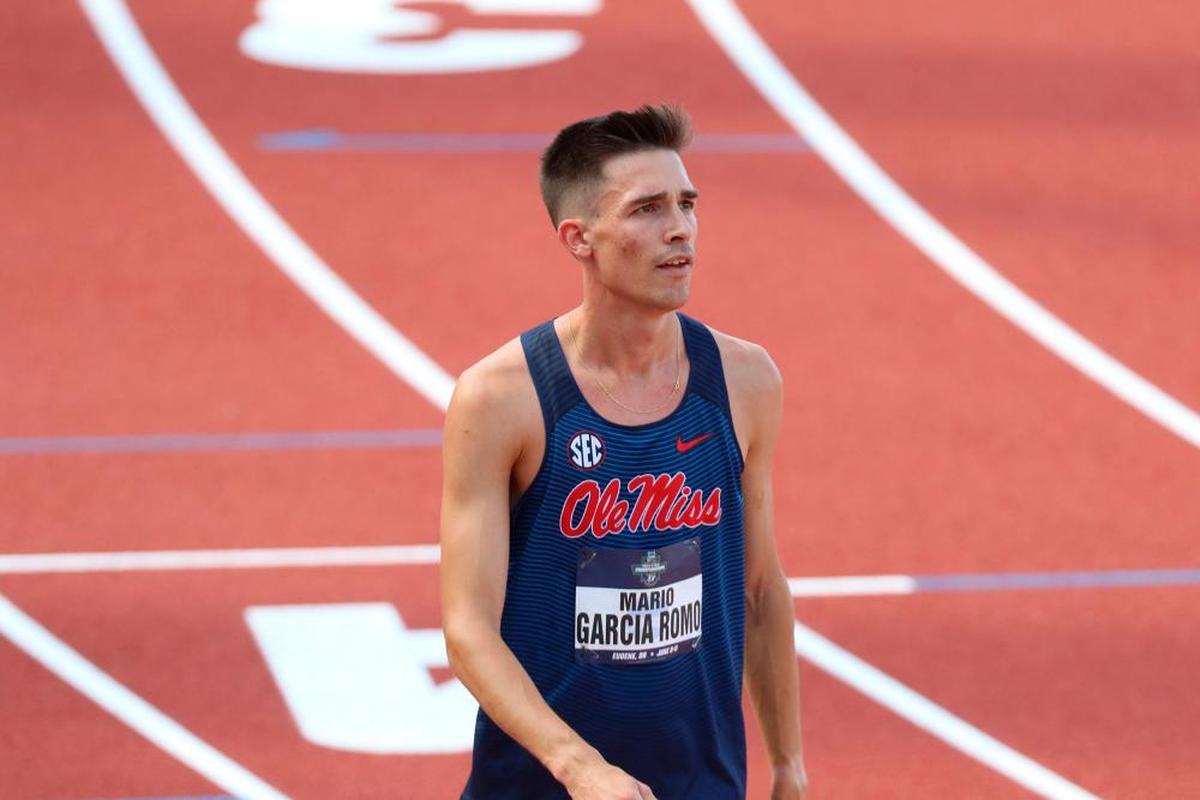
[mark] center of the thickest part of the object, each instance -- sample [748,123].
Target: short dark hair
[579,151]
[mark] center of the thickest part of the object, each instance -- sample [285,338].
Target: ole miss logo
[660,502]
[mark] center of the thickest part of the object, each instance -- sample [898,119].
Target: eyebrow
[686,194]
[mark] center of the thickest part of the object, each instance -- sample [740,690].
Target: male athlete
[608,555]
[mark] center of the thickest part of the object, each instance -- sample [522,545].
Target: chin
[671,301]
[657,298]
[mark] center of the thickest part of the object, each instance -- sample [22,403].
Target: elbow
[467,637]
[758,603]
[456,648]
[766,596]
[754,600]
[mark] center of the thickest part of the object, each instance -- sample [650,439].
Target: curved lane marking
[131,53]
[932,718]
[114,697]
[741,42]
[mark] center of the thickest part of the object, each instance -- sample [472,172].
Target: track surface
[925,434]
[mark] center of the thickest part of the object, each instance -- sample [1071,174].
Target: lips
[676,262]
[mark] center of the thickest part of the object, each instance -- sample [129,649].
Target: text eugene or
[662,502]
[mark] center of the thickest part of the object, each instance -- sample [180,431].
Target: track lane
[222,692]
[130,303]
[41,735]
[1053,140]
[1094,684]
[205,500]
[190,654]
[383,221]
[856,748]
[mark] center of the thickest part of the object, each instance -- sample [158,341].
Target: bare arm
[771,672]
[480,447]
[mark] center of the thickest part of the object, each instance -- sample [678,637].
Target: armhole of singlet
[556,390]
[708,373]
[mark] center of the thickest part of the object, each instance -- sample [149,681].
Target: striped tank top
[624,599]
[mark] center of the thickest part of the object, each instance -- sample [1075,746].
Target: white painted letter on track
[369,36]
[355,678]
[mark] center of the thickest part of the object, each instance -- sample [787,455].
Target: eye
[688,205]
[649,208]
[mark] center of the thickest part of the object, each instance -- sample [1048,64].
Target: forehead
[644,172]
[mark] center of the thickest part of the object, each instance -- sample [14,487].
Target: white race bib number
[638,606]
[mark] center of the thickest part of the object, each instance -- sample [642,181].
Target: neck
[624,341]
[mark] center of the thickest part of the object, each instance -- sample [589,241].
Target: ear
[574,235]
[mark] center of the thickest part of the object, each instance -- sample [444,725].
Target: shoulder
[499,377]
[498,382]
[495,396]
[755,388]
[750,372]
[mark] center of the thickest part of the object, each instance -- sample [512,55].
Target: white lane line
[152,85]
[164,732]
[743,45]
[927,715]
[844,585]
[250,558]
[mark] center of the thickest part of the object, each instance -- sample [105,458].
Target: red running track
[924,435]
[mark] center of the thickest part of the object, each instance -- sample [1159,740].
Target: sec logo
[586,450]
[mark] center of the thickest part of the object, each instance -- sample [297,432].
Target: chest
[600,479]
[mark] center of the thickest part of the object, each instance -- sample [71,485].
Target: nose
[680,227]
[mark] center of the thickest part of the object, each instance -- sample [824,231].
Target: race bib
[638,606]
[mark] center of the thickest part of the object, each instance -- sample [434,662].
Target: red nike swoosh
[683,446]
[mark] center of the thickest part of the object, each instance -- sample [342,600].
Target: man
[608,555]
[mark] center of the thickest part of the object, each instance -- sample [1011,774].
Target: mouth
[676,263]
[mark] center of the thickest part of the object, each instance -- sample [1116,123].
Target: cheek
[629,246]
[634,243]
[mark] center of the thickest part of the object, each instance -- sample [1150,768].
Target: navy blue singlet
[625,587]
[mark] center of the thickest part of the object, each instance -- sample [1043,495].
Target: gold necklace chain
[603,388]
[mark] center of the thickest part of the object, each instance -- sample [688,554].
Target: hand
[790,782]
[603,781]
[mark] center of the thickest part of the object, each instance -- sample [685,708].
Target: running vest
[625,597]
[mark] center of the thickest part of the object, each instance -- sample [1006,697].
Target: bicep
[762,559]
[478,455]
[765,407]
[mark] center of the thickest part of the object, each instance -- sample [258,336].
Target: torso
[611,513]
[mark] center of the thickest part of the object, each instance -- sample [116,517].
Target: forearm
[490,671]
[771,672]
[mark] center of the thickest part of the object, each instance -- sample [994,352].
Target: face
[641,235]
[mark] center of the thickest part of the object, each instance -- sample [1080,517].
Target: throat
[639,397]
